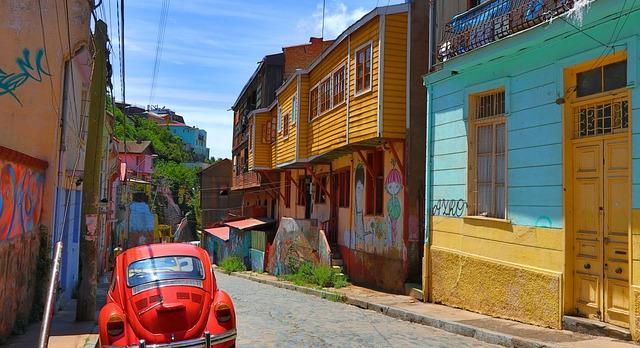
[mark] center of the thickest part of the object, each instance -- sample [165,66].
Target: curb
[480,334]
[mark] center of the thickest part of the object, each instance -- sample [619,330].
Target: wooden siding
[395,76]
[303,125]
[260,155]
[286,145]
[328,130]
[363,109]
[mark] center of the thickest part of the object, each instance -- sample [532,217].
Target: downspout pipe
[428,192]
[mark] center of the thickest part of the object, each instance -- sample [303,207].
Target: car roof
[157,250]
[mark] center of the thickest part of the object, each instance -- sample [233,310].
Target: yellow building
[336,136]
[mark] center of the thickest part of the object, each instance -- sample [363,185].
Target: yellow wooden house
[336,136]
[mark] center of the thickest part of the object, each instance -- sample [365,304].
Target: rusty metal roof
[220,232]
[246,223]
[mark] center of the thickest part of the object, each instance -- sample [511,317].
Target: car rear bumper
[203,342]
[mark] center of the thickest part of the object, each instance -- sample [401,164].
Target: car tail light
[115,326]
[223,312]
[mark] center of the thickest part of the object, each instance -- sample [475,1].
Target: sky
[211,48]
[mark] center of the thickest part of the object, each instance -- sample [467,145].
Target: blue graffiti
[10,82]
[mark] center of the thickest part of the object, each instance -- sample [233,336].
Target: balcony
[245,180]
[494,20]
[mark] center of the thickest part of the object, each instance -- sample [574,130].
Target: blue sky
[212,47]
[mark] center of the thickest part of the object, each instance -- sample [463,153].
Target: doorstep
[595,327]
[502,332]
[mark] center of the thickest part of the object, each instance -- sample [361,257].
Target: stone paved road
[275,317]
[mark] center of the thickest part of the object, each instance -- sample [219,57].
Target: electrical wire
[159,45]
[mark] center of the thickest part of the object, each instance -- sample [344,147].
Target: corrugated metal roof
[133,146]
[220,232]
[247,223]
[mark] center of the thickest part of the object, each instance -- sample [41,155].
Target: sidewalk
[488,329]
[66,332]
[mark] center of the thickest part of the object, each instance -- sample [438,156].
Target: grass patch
[307,274]
[232,264]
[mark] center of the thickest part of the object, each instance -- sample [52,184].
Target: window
[374,184]
[268,132]
[164,268]
[301,188]
[363,69]
[294,109]
[488,191]
[325,95]
[313,96]
[602,79]
[250,133]
[319,194]
[339,85]
[285,130]
[273,129]
[344,188]
[474,3]
[279,119]
[287,189]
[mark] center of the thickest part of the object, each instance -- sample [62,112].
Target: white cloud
[337,18]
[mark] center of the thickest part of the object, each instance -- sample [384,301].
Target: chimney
[315,40]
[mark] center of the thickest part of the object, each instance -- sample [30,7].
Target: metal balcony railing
[493,20]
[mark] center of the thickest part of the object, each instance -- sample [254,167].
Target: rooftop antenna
[323,9]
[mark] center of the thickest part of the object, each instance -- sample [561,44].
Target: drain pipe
[428,192]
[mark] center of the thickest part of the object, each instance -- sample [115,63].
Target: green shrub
[232,264]
[319,276]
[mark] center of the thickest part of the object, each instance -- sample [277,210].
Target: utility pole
[86,308]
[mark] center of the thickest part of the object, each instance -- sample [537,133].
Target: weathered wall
[257,260]
[239,244]
[508,290]
[141,224]
[21,199]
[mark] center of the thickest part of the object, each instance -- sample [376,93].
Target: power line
[159,45]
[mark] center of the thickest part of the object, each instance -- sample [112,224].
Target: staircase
[336,260]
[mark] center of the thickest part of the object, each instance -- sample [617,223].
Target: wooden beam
[397,158]
[315,178]
[367,165]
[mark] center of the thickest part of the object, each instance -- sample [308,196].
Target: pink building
[138,157]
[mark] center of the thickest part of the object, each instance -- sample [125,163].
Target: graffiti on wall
[20,200]
[377,234]
[449,207]
[295,242]
[27,70]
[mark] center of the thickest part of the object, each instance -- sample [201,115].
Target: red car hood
[166,312]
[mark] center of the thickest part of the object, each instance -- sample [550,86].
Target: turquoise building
[533,162]
[195,138]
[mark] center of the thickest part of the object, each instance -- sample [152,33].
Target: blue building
[195,138]
[533,162]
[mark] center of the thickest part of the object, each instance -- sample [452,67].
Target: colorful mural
[257,260]
[379,234]
[239,244]
[20,200]
[297,241]
[141,224]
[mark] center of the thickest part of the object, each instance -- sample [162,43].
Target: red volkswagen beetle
[165,295]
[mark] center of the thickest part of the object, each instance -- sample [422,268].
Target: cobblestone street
[274,317]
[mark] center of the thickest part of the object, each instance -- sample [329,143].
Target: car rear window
[164,268]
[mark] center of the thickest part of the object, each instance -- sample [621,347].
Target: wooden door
[600,220]
[587,223]
[616,225]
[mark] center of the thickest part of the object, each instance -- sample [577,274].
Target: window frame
[343,68]
[329,79]
[475,124]
[279,122]
[374,186]
[285,125]
[300,192]
[294,108]
[344,187]
[319,196]
[364,89]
